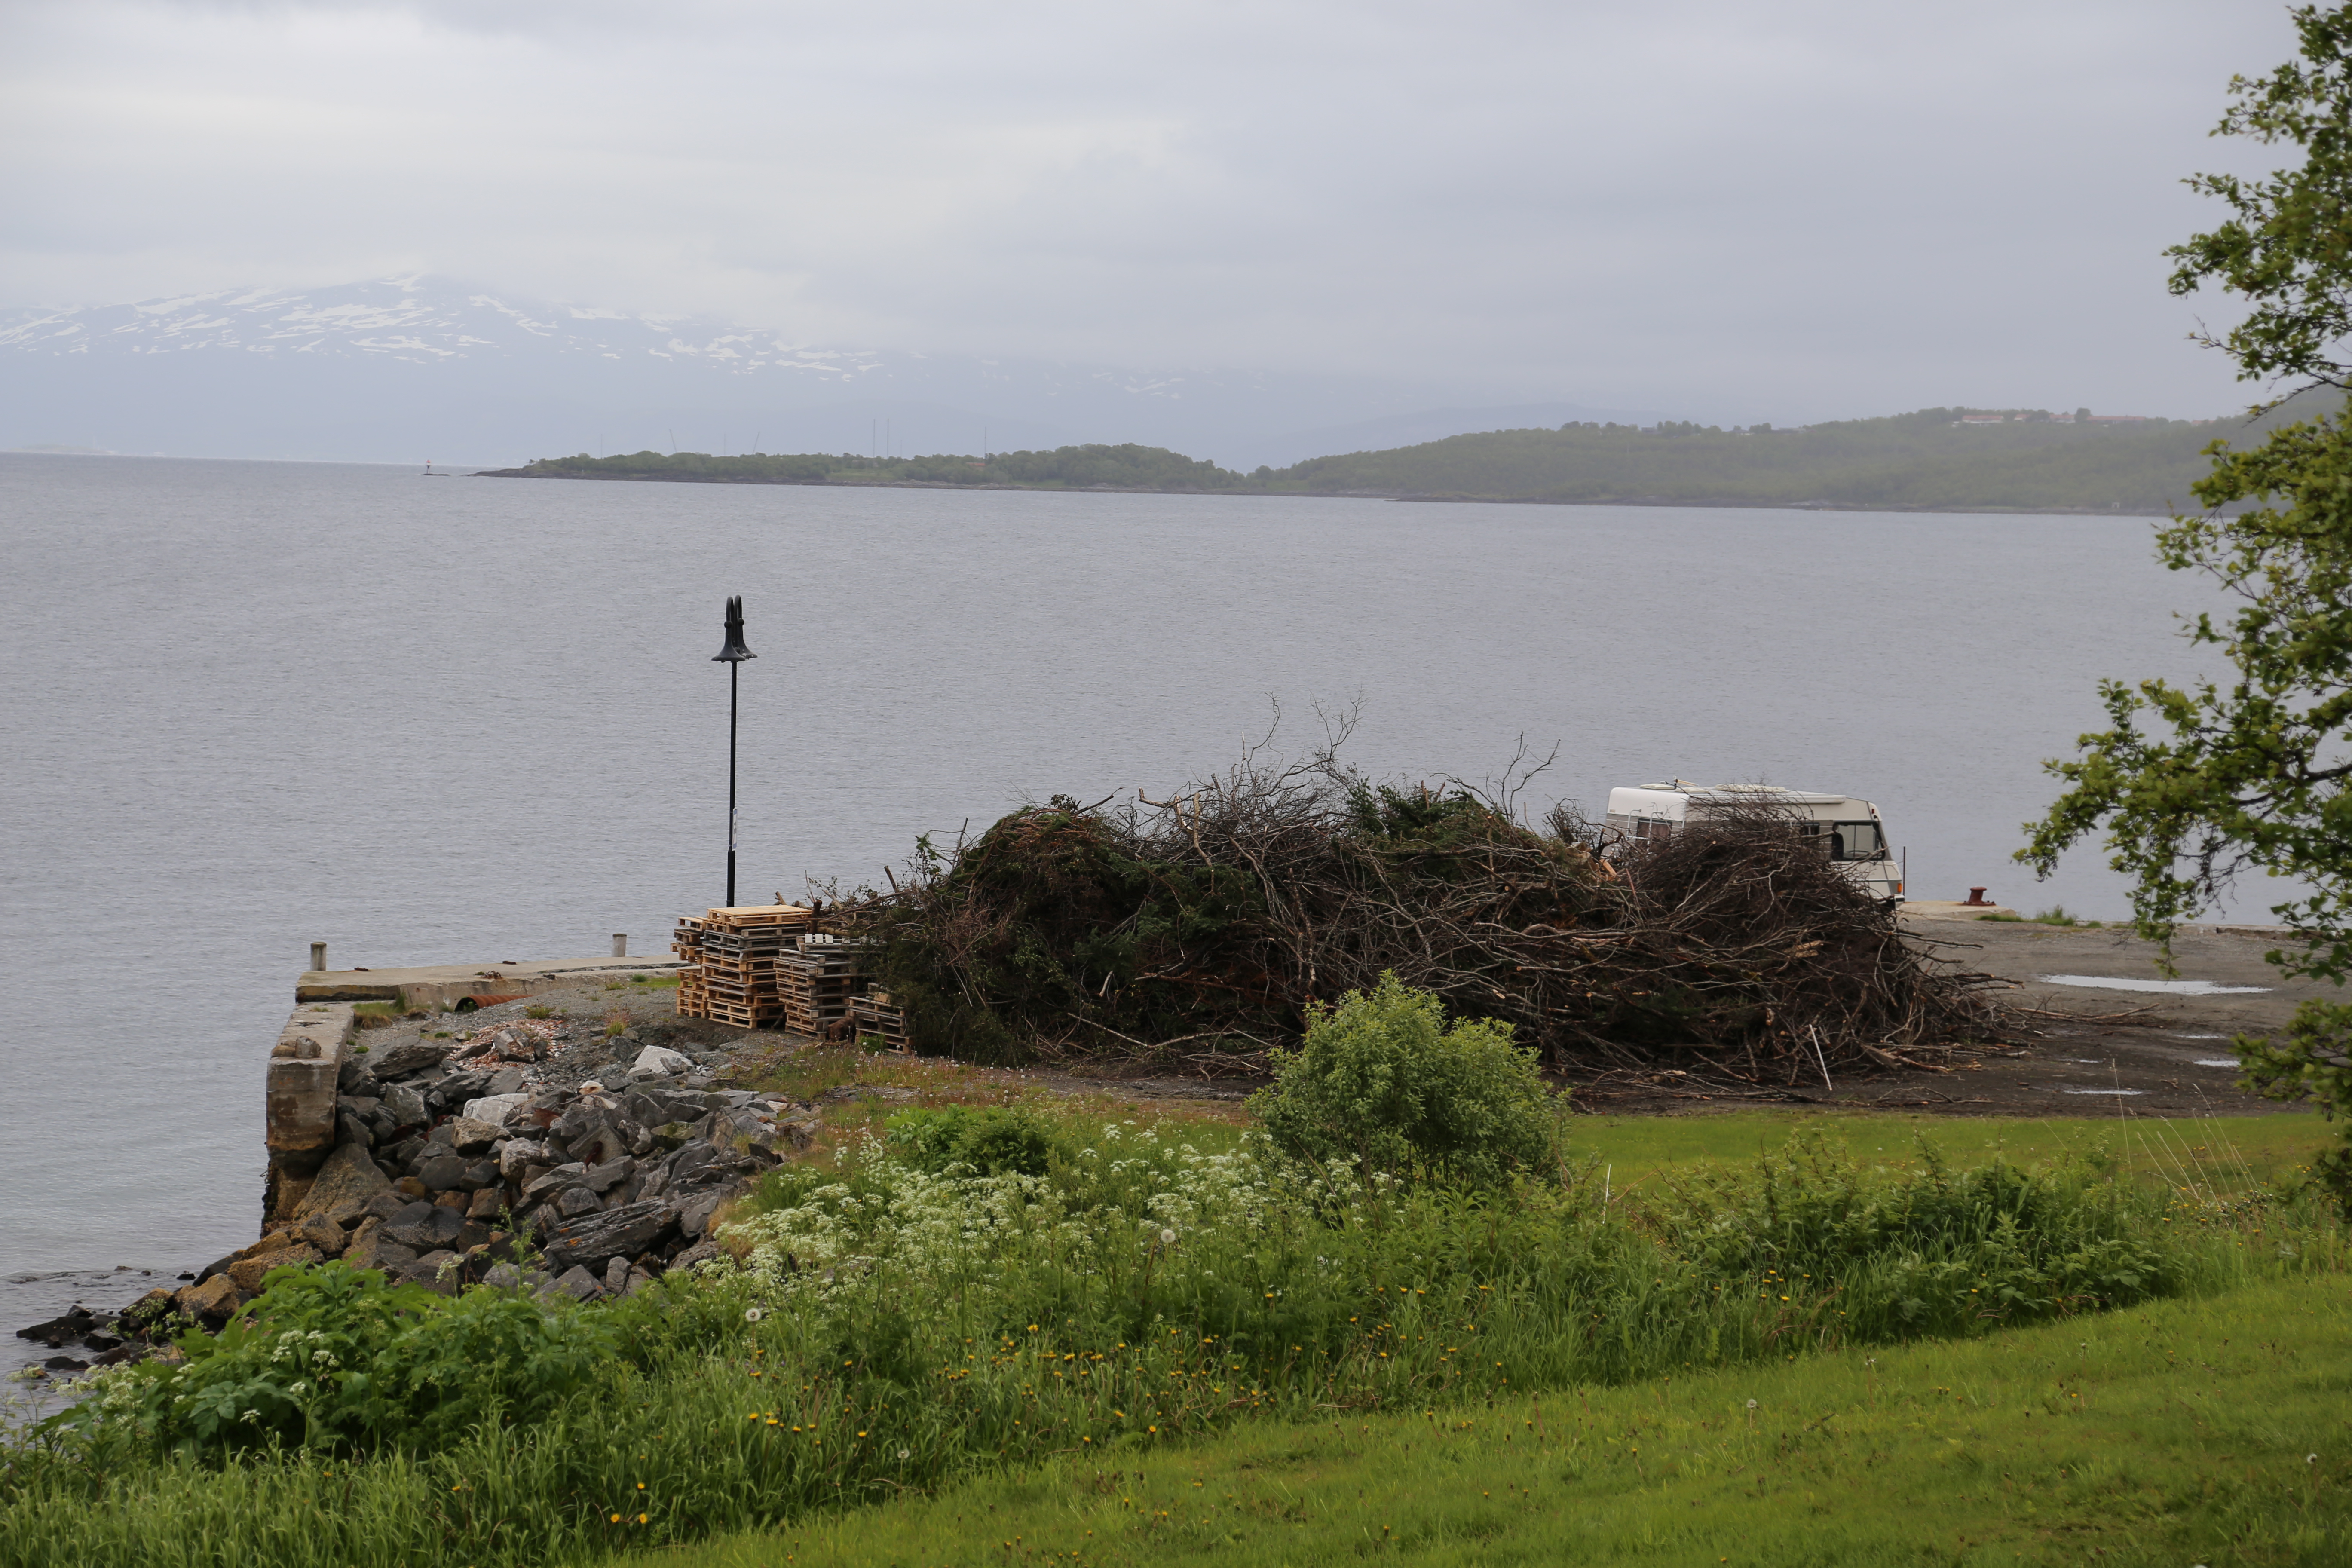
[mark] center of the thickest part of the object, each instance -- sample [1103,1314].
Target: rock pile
[448,1150]
[511,1156]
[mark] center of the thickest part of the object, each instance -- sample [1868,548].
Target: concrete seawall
[307,1064]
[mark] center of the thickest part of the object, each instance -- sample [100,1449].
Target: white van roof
[1737,791]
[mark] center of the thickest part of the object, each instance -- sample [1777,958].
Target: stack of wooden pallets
[733,952]
[875,1016]
[816,976]
[693,1001]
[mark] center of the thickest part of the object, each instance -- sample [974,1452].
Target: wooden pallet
[871,1017]
[745,916]
[815,980]
[767,936]
[732,955]
[743,1018]
[748,972]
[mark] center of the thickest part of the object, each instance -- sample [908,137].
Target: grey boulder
[495,1108]
[694,1211]
[659,1061]
[597,1238]
[555,1181]
[424,1226]
[370,1248]
[442,1172]
[579,1284]
[410,1056]
[472,1136]
[604,1178]
[405,1103]
[348,1177]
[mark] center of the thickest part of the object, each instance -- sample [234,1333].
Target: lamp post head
[734,652]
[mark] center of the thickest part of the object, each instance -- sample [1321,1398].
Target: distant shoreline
[1329,495]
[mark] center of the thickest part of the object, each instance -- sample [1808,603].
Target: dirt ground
[2069,1049]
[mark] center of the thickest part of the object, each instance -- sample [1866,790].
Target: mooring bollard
[318,957]
[620,944]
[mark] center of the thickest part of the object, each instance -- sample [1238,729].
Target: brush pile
[1201,929]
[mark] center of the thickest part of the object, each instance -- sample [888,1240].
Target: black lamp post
[733,655]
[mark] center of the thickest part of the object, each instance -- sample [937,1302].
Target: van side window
[1858,841]
[1846,840]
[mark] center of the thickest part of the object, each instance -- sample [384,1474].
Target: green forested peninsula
[1946,459]
[1127,466]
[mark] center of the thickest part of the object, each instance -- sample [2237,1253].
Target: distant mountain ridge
[413,366]
[1932,459]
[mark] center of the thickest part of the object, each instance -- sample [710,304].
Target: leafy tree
[2196,783]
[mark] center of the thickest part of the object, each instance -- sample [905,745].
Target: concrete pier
[431,987]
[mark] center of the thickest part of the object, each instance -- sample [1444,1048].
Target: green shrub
[993,1141]
[1381,1079]
[334,1357]
[1936,1252]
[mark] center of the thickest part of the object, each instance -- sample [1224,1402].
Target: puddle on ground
[2103,1091]
[2200,1037]
[2156,987]
[2217,1062]
[2083,1061]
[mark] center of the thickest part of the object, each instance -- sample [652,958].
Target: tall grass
[895,1326]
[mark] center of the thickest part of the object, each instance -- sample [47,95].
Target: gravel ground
[2096,1051]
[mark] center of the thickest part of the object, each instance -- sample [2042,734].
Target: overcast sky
[1731,210]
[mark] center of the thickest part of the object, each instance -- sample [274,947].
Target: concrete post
[318,957]
[620,944]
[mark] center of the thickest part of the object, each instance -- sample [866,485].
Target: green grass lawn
[2209,1432]
[2226,1151]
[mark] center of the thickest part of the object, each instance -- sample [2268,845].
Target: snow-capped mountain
[399,368]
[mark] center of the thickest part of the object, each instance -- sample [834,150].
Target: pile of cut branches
[1201,929]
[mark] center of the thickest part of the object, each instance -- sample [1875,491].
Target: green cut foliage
[1383,1080]
[2196,784]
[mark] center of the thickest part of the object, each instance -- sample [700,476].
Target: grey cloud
[1737,212]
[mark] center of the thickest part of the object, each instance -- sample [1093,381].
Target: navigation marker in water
[733,655]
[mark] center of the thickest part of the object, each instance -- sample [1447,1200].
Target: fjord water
[248,706]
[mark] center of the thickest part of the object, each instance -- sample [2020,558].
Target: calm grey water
[246,706]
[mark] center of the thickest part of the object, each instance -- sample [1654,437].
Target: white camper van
[1849,829]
